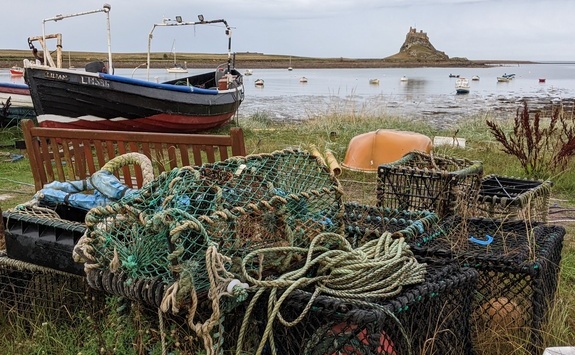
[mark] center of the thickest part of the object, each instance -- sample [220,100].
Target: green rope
[379,270]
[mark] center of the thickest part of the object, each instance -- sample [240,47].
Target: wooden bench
[58,154]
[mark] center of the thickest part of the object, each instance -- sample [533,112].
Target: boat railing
[178,21]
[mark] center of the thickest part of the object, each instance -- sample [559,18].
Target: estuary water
[428,94]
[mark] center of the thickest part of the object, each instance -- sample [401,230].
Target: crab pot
[364,223]
[503,197]
[423,182]
[427,318]
[518,265]
[44,240]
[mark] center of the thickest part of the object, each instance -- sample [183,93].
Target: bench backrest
[58,154]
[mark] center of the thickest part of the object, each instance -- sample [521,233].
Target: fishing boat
[303,79]
[177,68]
[98,99]
[454,75]
[475,78]
[259,82]
[248,72]
[374,81]
[462,86]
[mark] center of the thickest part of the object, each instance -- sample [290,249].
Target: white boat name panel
[89,80]
[57,76]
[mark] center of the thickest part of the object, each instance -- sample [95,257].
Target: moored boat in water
[16,71]
[98,99]
[462,86]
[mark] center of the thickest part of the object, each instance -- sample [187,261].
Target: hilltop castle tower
[418,48]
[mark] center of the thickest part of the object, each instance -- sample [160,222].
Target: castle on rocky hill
[418,48]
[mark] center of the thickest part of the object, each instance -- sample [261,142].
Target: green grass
[118,333]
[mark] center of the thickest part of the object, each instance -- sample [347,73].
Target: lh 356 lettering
[88,80]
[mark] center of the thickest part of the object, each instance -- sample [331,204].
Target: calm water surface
[429,93]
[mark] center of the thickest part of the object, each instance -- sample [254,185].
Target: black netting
[419,182]
[518,264]
[428,318]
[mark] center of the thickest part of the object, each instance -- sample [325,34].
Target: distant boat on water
[177,68]
[248,72]
[290,67]
[374,81]
[505,78]
[303,79]
[475,78]
[462,86]
[259,82]
[16,71]
[404,78]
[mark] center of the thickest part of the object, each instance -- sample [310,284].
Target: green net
[193,226]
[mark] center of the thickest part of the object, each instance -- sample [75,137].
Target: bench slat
[70,154]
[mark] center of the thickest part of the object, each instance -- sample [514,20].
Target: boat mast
[106,9]
[179,22]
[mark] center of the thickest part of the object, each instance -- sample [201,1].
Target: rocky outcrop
[418,48]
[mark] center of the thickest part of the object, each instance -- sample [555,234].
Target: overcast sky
[475,29]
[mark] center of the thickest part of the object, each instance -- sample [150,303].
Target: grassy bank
[117,331]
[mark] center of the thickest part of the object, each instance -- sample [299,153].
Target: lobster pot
[518,267]
[364,223]
[427,318]
[143,244]
[36,294]
[260,177]
[503,198]
[419,182]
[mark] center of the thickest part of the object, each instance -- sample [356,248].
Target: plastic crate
[419,181]
[518,266]
[427,318]
[504,197]
[43,239]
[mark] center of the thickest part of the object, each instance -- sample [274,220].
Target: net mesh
[163,233]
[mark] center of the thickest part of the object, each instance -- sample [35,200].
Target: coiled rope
[377,270]
[123,160]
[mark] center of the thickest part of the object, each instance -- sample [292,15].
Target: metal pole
[106,8]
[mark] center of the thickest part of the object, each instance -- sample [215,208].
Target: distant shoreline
[9,58]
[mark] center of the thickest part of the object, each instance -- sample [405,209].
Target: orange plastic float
[367,151]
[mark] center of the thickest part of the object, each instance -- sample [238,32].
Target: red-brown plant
[543,146]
